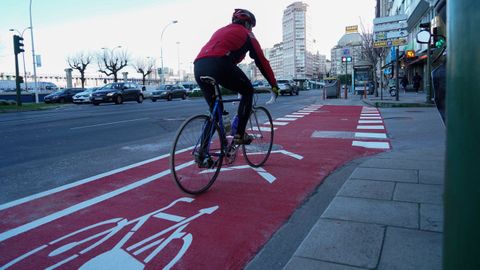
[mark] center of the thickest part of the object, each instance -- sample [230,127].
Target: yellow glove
[275,92]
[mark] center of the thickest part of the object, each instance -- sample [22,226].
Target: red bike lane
[138,219]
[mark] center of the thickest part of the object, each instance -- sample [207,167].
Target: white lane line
[309,111]
[370,135]
[372,145]
[285,119]
[295,115]
[262,129]
[110,123]
[370,127]
[301,113]
[369,114]
[370,117]
[285,152]
[77,207]
[275,123]
[370,121]
[83,181]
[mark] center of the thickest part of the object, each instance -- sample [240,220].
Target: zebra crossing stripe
[371,145]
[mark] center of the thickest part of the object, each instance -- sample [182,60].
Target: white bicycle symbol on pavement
[122,256]
[127,257]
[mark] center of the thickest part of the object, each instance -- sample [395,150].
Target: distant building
[298,51]
[350,44]
[319,66]
[276,59]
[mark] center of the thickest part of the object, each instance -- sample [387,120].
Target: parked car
[169,92]
[118,93]
[62,96]
[287,87]
[189,86]
[261,86]
[85,96]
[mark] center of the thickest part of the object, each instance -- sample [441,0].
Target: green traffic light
[440,43]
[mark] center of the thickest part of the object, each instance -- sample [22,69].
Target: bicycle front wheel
[260,126]
[195,165]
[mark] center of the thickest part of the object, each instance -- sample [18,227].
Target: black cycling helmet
[242,16]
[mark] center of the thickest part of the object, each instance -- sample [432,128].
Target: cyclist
[219,58]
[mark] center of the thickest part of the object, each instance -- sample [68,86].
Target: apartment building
[298,51]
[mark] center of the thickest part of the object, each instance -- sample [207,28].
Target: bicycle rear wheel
[191,176]
[260,126]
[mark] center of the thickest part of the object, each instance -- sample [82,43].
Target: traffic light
[346,59]
[18,44]
[438,40]
[425,26]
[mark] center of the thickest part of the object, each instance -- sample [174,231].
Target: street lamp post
[178,59]
[33,55]
[161,47]
[23,56]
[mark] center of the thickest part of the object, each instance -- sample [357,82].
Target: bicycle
[202,144]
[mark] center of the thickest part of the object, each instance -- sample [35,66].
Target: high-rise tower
[297,42]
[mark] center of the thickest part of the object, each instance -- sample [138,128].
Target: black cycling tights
[228,75]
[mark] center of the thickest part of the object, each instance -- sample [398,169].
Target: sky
[63,28]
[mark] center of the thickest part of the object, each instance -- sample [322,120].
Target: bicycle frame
[215,114]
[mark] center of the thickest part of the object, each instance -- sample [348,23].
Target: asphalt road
[41,150]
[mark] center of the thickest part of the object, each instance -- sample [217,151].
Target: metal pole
[161,49]
[178,58]
[428,85]
[33,56]
[381,76]
[345,86]
[397,64]
[462,188]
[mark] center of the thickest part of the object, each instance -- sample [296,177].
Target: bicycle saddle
[208,79]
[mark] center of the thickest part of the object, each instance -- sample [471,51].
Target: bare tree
[110,62]
[144,66]
[371,54]
[80,61]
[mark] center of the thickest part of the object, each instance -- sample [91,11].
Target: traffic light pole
[397,64]
[428,85]
[17,72]
[345,86]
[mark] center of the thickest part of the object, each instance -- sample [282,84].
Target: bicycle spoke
[195,171]
[260,126]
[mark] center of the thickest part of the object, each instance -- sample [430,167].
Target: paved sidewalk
[389,212]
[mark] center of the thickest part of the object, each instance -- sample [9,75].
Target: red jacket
[234,40]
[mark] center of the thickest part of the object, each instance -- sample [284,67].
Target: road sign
[390,19]
[390,43]
[390,35]
[379,44]
[390,26]
[399,41]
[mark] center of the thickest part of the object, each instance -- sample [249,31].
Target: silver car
[85,96]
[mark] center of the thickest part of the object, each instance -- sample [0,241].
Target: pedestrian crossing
[370,130]
[370,120]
